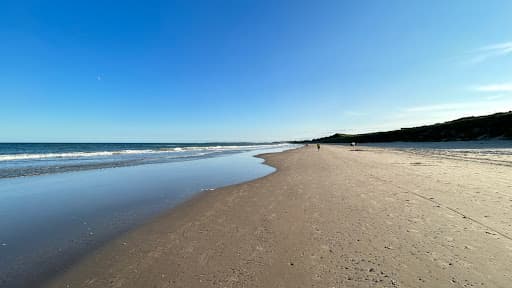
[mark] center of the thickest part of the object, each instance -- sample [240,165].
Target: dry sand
[334,218]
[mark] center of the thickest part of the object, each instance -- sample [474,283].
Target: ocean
[59,202]
[28,159]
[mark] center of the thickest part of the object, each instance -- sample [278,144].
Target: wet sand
[335,218]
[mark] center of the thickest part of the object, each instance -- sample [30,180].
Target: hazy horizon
[247,71]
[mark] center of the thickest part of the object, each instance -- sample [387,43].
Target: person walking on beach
[318,146]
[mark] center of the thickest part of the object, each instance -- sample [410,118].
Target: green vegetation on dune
[495,126]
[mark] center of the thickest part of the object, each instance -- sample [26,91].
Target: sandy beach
[372,217]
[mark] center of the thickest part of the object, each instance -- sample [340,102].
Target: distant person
[318,146]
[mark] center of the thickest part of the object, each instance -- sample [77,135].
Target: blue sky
[122,71]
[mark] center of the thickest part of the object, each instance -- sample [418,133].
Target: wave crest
[81,154]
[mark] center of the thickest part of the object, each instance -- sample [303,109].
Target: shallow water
[49,221]
[497,152]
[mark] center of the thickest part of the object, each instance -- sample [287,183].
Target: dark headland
[494,126]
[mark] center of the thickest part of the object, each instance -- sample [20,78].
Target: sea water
[85,194]
[26,159]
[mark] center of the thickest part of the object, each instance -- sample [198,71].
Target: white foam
[202,150]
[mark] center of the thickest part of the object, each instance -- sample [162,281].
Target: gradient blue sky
[122,71]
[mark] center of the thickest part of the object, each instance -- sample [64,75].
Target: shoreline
[80,216]
[318,221]
[182,210]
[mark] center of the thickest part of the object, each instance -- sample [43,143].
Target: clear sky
[240,70]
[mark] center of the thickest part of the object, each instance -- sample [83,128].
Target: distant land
[494,126]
